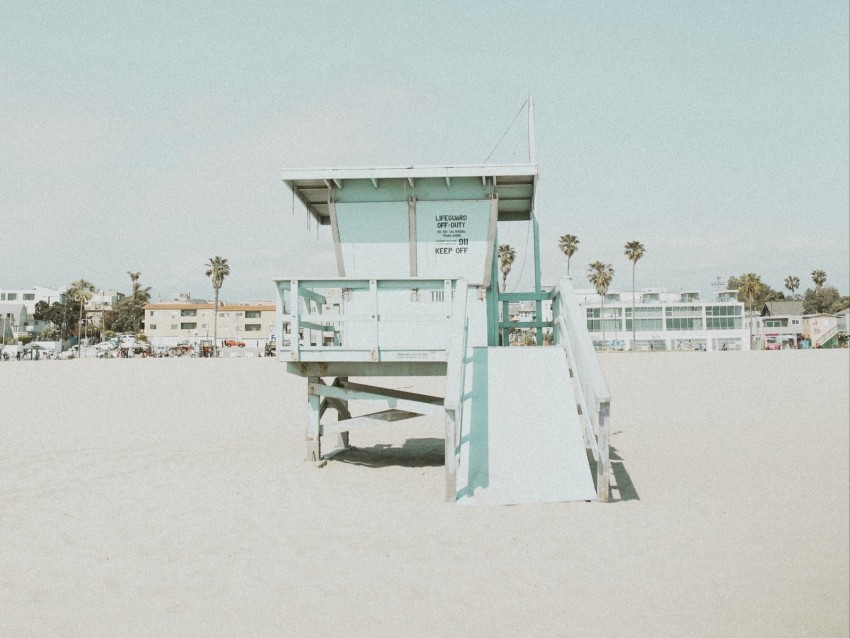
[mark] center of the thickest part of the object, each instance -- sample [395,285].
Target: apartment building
[192,320]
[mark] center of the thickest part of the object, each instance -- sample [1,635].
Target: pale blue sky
[151,136]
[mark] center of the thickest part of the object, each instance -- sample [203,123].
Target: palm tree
[217,270]
[749,286]
[139,294]
[569,246]
[634,251]
[82,291]
[819,277]
[601,275]
[792,283]
[507,255]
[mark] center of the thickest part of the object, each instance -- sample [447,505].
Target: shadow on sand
[414,453]
[428,452]
[622,487]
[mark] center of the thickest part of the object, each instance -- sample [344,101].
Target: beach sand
[170,498]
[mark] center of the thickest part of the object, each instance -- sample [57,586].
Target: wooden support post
[450,452]
[538,304]
[314,444]
[373,294]
[603,466]
[342,412]
[506,317]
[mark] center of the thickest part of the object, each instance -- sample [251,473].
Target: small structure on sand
[417,295]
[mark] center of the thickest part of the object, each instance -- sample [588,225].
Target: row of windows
[673,323]
[684,323]
[651,312]
[684,311]
[723,323]
[193,312]
[248,327]
[723,311]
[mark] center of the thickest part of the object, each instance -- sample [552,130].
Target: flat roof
[514,184]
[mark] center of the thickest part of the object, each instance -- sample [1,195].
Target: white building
[29,297]
[14,321]
[665,320]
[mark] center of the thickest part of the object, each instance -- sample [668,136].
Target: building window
[612,319]
[29,296]
[252,314]
[153,326]
[174,326]
[188,326]
[253,327]
[12,296]
[189,313]
[649,318]
[238,314]
[723,318]
[150,313]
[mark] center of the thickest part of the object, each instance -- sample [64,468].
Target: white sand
[169,497]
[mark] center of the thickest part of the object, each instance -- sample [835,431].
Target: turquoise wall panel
[374,239]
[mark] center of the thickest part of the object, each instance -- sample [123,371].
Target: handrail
[571,332]
[455,385]
[826,336]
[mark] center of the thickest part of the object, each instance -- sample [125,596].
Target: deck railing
[365,319]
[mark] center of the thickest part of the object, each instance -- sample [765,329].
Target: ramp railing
[455,385]
[594,398]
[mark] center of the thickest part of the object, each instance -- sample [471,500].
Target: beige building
[171,322]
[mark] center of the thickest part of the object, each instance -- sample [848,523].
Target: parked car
[232,343]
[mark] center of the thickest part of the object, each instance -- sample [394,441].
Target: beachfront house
[14,322]
[821,330]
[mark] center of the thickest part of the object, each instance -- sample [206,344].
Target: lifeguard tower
[417,295]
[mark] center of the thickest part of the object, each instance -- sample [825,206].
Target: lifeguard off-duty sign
[449,239]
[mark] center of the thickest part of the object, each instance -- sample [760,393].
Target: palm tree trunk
[215,325]
[634,319]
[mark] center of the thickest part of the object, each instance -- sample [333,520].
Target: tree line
[752,291]
[127,316]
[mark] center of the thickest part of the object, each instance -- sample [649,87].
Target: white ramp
[521,440]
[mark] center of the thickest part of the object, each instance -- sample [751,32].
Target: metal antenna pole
[532,152]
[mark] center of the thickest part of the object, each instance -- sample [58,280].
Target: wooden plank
[603,467]
[367,420]
[421,404]
[365,368]
[313,439]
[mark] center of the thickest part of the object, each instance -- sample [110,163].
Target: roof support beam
[411,236]
[410,181]
[448,182]
[374,182]
[340,263]
[338,183]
